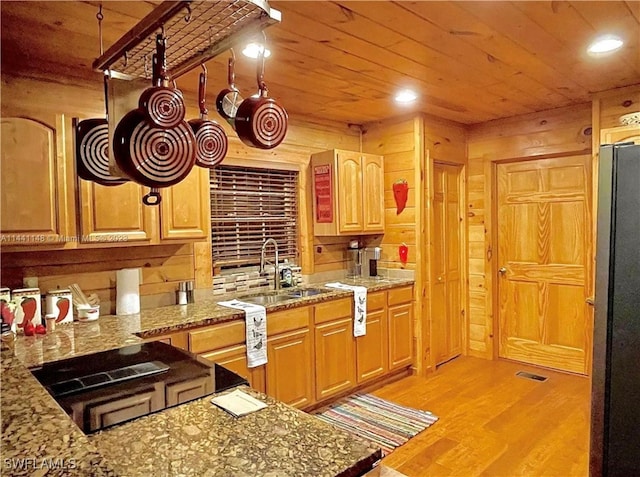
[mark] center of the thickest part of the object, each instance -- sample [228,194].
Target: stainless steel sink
[307,292]
[270,298]
[265,299]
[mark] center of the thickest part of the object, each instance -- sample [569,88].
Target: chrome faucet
[276,271]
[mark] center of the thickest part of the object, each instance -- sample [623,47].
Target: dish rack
[197,31]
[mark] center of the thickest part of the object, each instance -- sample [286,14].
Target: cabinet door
[371,349]
[33,207]
[349,166]
[335,358]
[234,358]
[373,193]
[290,368]
[177,339]
[400,335]
[114,214]
[185,212]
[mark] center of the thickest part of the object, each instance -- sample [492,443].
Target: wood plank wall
[558,131]
[163,265]
[410,147]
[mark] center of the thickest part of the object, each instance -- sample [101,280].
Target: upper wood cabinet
[620,134]
[34,194]
[185,211]
[45,204]
[348,193]
[102,221]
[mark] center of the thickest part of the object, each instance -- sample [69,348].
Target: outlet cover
[30,282]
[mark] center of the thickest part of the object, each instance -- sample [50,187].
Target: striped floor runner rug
[387,424]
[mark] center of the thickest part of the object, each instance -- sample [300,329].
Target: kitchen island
[196,438]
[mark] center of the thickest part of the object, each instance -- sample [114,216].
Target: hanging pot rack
[197,30]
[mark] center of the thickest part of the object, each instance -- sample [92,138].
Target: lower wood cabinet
[234,358]
[371,349]
[177,393]
[400,335]
[335,358]
[312,354]
[290,368]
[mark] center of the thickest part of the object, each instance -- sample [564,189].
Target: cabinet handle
[439,279]
[503,270]
[590,301]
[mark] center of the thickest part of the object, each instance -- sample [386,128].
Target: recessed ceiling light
[605,44]
[406,96]
[252,50]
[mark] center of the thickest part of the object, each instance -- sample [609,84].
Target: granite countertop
[38,437]
[200,439]
[115,331]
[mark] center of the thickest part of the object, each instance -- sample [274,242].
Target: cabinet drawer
[376,300]
[288,320]
[177,393]
[333,310]
[400,295]
[217,336]
[120,410]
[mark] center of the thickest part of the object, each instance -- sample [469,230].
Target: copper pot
[163,105]
[261,122]
[229,99]
[211,139]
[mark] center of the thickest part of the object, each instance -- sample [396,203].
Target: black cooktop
[104,370]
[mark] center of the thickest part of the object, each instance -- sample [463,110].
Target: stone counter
[111,331]
[38,438]
[200,439]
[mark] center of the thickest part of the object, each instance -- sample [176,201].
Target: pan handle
[202,88]
[262,87]
[231,74]
[152,198]
[161,53]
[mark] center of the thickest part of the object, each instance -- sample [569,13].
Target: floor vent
[535,377]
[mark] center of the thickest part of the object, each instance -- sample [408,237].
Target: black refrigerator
[615,397]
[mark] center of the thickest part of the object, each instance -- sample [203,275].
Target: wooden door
[446,260]
[544,230]
[335,358]
[33,209]
[349,167]
[185,210]
[290,368]
[373,193]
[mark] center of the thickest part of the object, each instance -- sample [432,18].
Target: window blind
[248,206]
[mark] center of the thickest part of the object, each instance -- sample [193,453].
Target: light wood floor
[493,423]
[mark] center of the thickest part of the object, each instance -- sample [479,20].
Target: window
[249,205]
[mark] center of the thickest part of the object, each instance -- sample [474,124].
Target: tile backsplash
[247,281]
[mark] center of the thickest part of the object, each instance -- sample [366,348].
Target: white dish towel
[255,317]
[360,306]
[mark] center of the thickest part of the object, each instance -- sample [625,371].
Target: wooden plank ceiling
[342,61]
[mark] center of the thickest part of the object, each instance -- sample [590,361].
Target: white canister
[60,303]
[29,306]
[5,294]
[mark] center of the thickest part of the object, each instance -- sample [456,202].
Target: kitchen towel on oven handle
[255,330]
[360,306]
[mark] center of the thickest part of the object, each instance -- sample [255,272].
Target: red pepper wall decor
[403,253]
[400,193]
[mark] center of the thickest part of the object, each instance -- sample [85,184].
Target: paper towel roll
[127,291]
